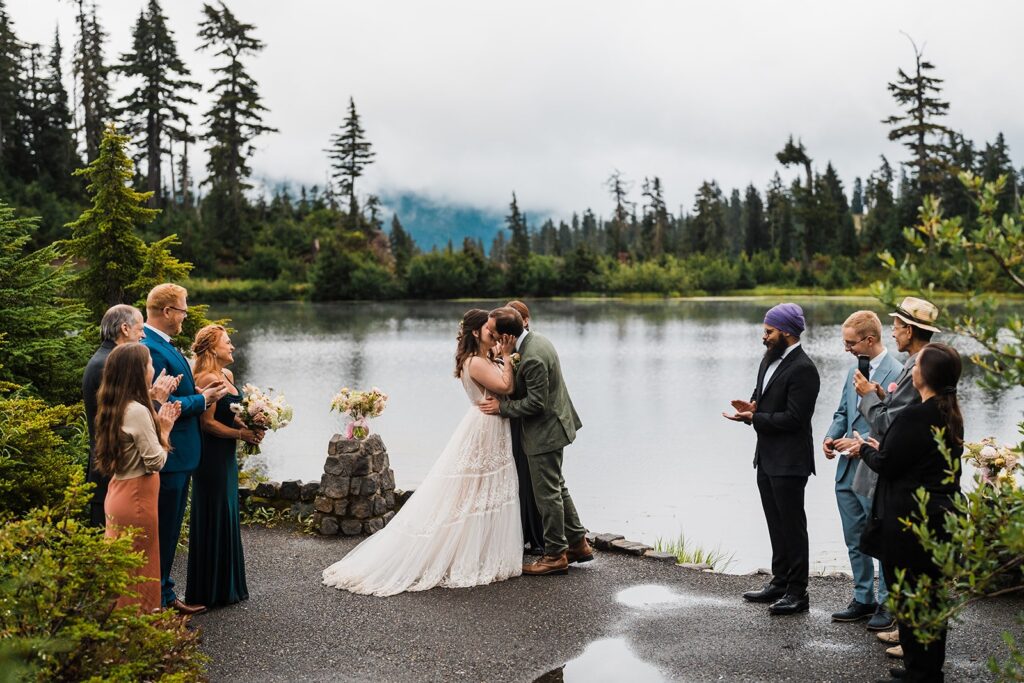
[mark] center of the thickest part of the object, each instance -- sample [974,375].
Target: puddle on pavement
[653,596]
[608,659]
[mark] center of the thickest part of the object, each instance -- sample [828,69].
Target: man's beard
[774,350]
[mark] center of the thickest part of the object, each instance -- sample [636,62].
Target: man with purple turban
[780,411]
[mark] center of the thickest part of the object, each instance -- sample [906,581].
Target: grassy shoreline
[202,290]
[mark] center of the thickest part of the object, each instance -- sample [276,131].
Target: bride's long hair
[467,344]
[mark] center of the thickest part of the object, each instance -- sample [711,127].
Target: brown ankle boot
[549,564]
[580,552]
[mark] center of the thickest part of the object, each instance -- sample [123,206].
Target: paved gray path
[294,629]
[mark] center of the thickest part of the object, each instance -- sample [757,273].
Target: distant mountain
[432,224]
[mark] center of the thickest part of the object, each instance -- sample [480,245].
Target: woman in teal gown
[216,561]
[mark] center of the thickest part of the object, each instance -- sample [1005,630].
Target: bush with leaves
[985,555]
[59,579]
[41,448]
[40,326]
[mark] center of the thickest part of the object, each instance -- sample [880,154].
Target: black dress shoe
[855,611]
[790,604]
[883,620]
[896,675]
[770,593]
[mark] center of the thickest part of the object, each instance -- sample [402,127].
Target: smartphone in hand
[864,365]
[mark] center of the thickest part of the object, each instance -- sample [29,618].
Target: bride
[462,527]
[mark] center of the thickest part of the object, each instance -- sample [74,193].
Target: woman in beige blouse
[131,447]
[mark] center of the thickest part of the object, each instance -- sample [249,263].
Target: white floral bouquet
[359,406]
[261,410]
[997,464]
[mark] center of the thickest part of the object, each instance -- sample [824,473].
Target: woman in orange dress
[131,447]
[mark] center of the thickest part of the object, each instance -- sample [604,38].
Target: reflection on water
[608,659]
[649,379]
[653,596]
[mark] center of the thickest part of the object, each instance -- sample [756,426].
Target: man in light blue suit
[166,310]
[862,334]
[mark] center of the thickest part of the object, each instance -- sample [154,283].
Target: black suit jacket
[783,416]
[90,386]
[907,459]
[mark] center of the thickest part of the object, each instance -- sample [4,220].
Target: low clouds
[468,101]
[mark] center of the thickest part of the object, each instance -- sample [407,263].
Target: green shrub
[441,275]
[371,280]
[258,291]
[59,579]
[542,276]
[718,275]
[41,448]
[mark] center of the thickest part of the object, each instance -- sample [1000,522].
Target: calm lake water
[649,379]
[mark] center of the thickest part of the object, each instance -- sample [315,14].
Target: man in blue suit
[166,310]
[862,336]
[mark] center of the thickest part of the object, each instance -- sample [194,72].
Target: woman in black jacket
[908,459]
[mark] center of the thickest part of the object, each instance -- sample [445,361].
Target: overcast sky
[467,101]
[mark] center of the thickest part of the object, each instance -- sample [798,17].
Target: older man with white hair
[121,324]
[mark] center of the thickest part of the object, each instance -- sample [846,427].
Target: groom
[548,423]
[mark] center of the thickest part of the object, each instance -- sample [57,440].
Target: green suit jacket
[540,400]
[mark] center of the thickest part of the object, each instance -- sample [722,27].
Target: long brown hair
[124,381]
[467,344]
[202,347]
[940,367]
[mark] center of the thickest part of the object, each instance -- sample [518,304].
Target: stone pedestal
[357,490]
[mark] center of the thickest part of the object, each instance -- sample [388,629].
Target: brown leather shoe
[580,552]
[549,564]
[187,610]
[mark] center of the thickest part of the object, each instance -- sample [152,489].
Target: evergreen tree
[350,153]
[881,223]
[656,220]
[756,236]
[54,142]
[565,237]
[795,154]
[518,253]
[618,227]
[841,236]
[707,226]
[41,344]
[995,162]
[92,76]
[403,248]
[14,148]
[153,109]
[499,249]
[857,200]
[118,266]
[957,199]
[734,235]
[780,220]
[804,208]
[233,121]
[919,96]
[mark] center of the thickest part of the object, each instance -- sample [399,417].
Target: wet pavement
[619,618]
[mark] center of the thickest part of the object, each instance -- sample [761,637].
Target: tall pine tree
[92,79]
[350,153]
[518,251]
[917,128]
[153,110]
[233,121]
[118,266]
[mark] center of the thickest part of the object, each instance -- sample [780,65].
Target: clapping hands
[850,447]
[744,411]
[164,386]
[168,415]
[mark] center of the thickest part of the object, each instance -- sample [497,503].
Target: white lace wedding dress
[460,528]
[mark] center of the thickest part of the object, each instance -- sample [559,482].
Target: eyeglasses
[183,311]
[850,345]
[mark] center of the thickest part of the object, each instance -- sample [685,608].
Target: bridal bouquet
[359,406]
[261,410]
[997,464]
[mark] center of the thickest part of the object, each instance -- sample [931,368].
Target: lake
[649,380]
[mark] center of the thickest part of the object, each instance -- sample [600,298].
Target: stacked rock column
[357,490]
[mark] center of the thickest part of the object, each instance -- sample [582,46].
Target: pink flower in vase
[892,387]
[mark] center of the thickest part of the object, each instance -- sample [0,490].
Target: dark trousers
[562,526]
[922,662]
[171,512]
[782,499]
[533,525]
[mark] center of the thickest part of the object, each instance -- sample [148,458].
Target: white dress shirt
[520,338]
[775,365]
